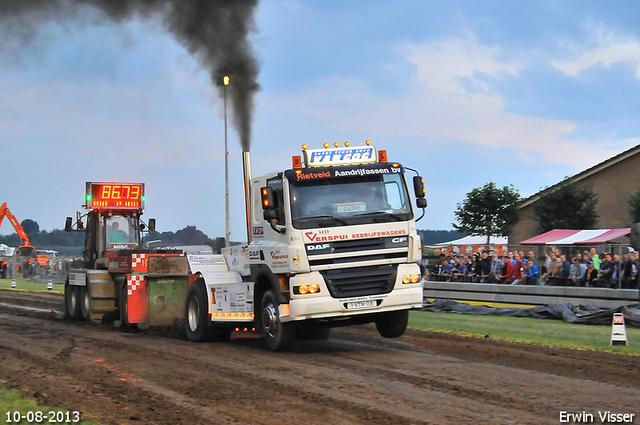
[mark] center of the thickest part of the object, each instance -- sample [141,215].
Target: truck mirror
[421,202]
[418,187]
[67,224]
[152,225]
[271,214]
[268,200]
[634,237]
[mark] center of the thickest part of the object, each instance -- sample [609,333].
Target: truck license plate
[361,304]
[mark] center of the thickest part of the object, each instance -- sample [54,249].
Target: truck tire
[277,334]
[196,313]
[392,324]
[72,301]
[85,302]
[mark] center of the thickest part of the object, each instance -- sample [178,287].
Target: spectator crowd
[588,269]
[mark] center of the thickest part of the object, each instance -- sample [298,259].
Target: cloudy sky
[467,92]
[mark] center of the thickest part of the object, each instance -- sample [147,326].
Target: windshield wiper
[396,216]
[324,217]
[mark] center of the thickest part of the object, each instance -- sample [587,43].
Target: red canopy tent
[580,237]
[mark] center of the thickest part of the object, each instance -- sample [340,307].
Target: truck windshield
[121,232]
[328,202]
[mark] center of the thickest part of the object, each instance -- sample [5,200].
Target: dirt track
[355,377]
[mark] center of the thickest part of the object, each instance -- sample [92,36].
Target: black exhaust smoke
[216,32]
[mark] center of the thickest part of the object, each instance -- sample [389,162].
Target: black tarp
[583,314]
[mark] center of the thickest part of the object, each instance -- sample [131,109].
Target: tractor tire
[85,302]
[392,324]
[124,306]
[277,334]
[72,301]
[196,314]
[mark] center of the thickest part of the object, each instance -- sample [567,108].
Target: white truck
[331,242]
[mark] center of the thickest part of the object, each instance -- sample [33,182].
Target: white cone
[13,283]
[618,331]
[50,285]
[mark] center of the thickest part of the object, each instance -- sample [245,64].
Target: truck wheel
[196,320]
[85,302]
[72,299]
[277,334]
[392,324]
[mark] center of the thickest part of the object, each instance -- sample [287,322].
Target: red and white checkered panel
[618,319]
[139,263]
[137,299]
[133,283]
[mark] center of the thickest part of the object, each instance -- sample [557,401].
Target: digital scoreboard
[115,196]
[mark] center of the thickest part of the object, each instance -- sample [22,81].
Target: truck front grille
[387,249]
[360,281]
[395,256]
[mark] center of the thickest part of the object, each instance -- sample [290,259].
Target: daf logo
[399,240]
[318,247]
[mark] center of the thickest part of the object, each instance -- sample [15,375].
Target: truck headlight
[314,288]
[410,278]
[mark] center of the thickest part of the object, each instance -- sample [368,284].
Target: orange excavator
[26,255]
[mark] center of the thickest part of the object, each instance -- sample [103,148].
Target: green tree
[568,207]
[488,211]
[634,206]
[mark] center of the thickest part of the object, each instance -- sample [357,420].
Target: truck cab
[333,243]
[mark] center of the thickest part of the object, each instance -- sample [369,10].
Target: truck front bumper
[323,306]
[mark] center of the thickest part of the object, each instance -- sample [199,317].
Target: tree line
[71,243]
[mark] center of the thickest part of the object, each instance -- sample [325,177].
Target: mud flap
[137,300]
[166,299]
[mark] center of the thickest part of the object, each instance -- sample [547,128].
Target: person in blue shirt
[531,272]
[461,272]
[445,271]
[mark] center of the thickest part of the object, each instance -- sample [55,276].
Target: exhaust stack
[246,170]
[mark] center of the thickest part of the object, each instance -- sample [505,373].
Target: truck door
[276,186]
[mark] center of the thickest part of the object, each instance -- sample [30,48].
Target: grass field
[25,285]
[553,333]
[14,404]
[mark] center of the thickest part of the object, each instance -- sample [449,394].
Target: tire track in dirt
[353,378]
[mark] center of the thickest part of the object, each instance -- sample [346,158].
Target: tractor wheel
[72,301]
[392,324]
[277,334]
[85,302]
[124,306]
